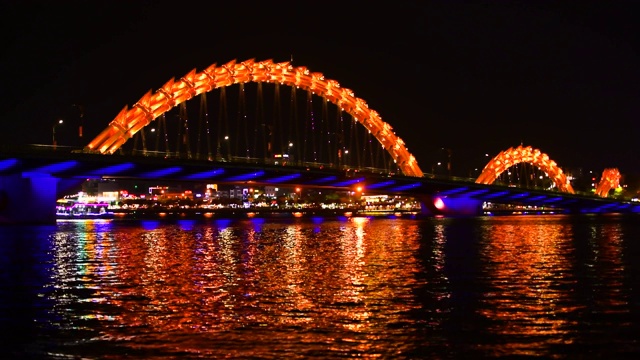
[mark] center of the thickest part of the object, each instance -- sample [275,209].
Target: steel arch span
[151,105]
[524,154]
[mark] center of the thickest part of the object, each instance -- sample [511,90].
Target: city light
[53,131]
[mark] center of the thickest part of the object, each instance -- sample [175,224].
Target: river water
[556,286]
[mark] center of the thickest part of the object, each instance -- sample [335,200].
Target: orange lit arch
[513,156]
[151,105]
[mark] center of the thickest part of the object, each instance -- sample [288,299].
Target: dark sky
[473,76]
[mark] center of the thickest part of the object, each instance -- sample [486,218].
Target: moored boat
[69,209]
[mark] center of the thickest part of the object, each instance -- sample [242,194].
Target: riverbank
[241,213]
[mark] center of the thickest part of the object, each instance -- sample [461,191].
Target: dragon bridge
[610,180]
[524,154]
[129,121]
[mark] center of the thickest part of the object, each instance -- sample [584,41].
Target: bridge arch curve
[524,154]
[151,105]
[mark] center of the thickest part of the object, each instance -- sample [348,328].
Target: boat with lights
[82,208]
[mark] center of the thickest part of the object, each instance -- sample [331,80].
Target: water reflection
[339,288]
[537,253]
[545,286]
[605,263]
[545,307]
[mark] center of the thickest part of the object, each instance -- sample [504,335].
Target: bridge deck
[64,163]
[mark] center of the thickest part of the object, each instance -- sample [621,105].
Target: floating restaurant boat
[71,209]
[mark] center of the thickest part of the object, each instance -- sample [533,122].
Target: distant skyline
[475,77]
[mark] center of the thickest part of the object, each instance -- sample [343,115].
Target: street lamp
[53,131]
[289,156]
[152,132]
[226,149]
[298,194]
[346,159]
[435,167]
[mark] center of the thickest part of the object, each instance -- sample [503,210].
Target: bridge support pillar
[28,199]
[450,206]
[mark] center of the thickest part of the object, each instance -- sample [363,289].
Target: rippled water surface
[549,286]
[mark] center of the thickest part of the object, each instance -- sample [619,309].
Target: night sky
[474,77]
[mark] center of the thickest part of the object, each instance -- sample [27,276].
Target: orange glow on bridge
[610,180]
[129,121]
[522,154]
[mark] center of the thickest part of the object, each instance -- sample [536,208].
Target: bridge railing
[31,150]
[27,149]
[263,161]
